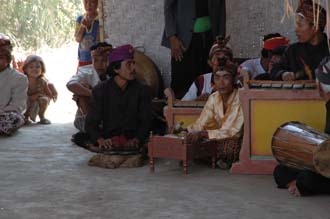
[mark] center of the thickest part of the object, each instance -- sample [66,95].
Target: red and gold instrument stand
[265,109]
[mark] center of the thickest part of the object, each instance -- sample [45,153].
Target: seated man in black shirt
[306,182]
[121,105]
[302,58]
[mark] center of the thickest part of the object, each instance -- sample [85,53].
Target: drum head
[148,73]
[322,159]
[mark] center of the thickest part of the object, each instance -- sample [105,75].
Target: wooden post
[185,155]
[150,152]
[101,20]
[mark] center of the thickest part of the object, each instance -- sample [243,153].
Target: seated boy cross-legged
[222,117]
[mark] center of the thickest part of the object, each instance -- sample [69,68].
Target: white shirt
[13,91]
[207,88]
[253,66]
[86,74]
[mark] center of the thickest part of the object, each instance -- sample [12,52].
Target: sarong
[10,122]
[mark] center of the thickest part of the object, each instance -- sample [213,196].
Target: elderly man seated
[222,116]
[13,89]
[81,85]
[122,105]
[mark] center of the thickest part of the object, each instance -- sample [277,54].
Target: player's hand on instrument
[132,142]
[288,76]
[104,143]
[196,136]
[325,95]
[177,48]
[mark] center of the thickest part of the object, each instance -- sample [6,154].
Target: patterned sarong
[10,122]
[228,151]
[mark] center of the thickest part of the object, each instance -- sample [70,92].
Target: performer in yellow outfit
[222,116]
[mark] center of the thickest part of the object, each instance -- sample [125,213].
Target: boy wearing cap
[259,66]
[203,86]
[121,104]
[13,89]
[222,115]
[302,58]
[275,57]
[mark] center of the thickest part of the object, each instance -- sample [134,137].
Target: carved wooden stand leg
[213,162]
[185,167]
[152,164]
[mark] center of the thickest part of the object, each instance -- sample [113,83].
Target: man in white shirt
[202,87]
[87,77]
[13,89]
[259,66]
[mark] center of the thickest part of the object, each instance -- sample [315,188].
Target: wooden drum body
[302,147]
[148,73]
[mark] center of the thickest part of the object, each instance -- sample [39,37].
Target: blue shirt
[89,38]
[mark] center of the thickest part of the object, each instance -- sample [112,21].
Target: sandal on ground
[28,121]
[44,122]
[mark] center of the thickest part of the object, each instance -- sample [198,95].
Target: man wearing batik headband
[121,104]
[222,115]
[301,58]
[258,66]
[305,182]
[13,89]
[81,85]
[203,86]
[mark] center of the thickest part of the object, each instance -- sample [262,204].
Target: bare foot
[292,188]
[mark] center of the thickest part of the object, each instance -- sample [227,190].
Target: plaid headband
[229,67]
[221,46]
[101,51]
[312,12]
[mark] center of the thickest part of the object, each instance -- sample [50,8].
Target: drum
[148,73]
[302,147]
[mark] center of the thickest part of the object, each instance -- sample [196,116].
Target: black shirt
[202,9]
[121,112]
[299,53]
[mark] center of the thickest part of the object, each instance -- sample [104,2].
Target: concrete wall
[141,23]
[249,20]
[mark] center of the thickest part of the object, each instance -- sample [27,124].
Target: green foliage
[32,24]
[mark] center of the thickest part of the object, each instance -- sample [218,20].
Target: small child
[40,91]
[87,31]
